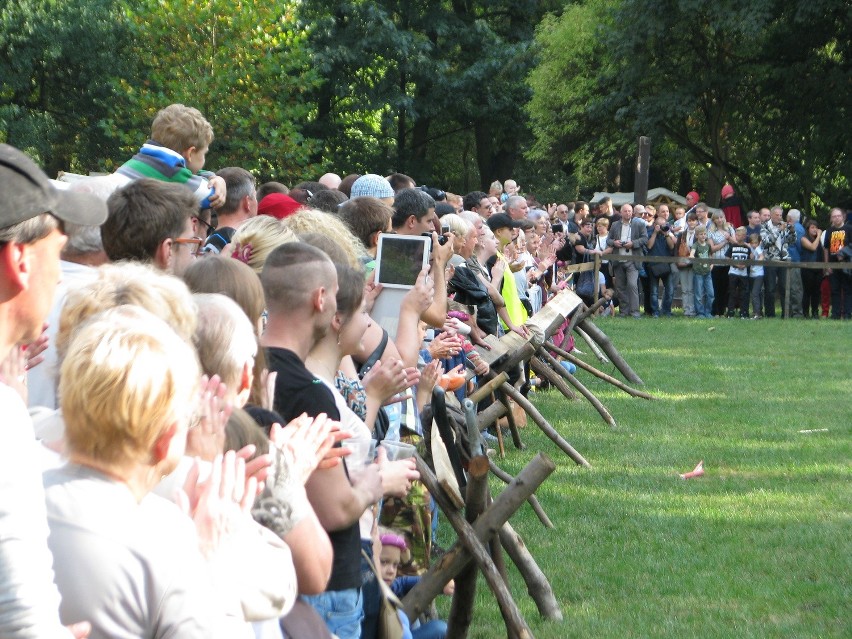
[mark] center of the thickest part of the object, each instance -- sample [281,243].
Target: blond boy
[176,152]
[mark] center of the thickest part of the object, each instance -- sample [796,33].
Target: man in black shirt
[300,285]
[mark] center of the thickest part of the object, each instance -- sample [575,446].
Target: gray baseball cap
[26,192]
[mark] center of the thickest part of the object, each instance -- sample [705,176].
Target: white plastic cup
[398,450]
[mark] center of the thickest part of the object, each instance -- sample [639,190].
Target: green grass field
[758,547]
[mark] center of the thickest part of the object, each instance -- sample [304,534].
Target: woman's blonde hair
[257,238]
[126,378]
[132,283]
[459,226]
[225,340]
[715,227]
[314,221]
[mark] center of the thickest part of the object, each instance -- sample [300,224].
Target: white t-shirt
[29,600]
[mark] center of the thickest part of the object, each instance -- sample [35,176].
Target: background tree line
[455,92]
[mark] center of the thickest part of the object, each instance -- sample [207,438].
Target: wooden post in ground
[606,344]
[461,611]
[538,586]
[432,583]
[471,545]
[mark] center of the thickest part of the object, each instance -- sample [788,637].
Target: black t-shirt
[297,391]
[835,239]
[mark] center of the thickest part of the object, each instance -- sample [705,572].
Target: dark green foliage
[747,90]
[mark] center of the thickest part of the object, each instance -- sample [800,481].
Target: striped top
[160,163]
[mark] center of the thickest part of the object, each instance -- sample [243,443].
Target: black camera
[442,239]
[665,228]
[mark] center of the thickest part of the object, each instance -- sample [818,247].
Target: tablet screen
[400,259]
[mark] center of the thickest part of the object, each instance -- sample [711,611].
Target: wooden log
[546,428]
[498,430]
[606,344]
[588,311]
[560,370]
[489,523]
[543,370]
[488,387]
[487,417]
[461,610]
[538,586]
[532,501]
[516,625]
[510,419]
[496,549]
[596,350]
[555,312]
[599,374]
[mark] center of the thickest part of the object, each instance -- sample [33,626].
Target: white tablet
[400,258]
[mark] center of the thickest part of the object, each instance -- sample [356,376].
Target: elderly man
[794,275]
[240,206]
[517,207]
[32,214]
[775,237]
[627,237]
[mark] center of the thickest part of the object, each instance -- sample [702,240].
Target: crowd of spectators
[211,403]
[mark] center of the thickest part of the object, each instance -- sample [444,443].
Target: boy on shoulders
[176,152]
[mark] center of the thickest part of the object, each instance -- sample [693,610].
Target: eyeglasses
[210,228]
[194,244]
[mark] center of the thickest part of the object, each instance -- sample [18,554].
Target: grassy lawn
[758,547]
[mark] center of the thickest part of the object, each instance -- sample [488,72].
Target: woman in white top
[601,235]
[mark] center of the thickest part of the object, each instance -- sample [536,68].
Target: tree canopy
[739,91]
[454,92]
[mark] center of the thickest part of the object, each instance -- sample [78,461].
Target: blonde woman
[314,221]
[257,238]
[720,236]
[129,389]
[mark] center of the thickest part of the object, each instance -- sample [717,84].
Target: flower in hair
[242,252]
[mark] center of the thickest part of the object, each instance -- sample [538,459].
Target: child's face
[608,294]
[195,158]
[390,562]
[692,222]
[741,236]
[701,237]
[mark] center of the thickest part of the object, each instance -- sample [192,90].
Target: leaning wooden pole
[596,350]
[606,344]
[461,611]
[506,478]
[516,625]
[594,371]
[538,586]
[585,392]
[543,424]
[507,502]
[544,371]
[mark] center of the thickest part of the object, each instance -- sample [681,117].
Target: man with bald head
[330,180]
[300,286]
[627,237]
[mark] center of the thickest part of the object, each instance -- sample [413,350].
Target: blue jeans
[341,610]
[703,287]
[435,629]
[668,293]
